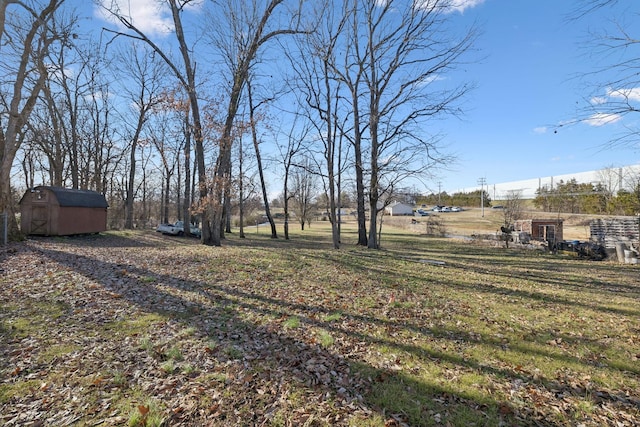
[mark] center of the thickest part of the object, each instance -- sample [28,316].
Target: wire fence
[3,228]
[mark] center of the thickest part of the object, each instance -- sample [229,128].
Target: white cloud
[449,6]
[598,100]
[462,5]
[430,79]
[540,130]
[601,119]
[149,16]
[56,72]
[631,94]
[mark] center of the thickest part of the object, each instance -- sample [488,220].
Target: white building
[399,209]
[614,179]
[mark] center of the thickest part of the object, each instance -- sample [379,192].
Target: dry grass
[471,221]
[143,329]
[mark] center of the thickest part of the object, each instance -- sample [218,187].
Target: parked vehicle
[177,229]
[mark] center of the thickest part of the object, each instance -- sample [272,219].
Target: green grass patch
[292,322]
[147,414]
[325,339]
[233,352]
[53,352]
[18,389]
[175,354]
[333,317]
[134,326]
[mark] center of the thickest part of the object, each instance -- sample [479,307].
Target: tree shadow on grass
[224,314]
[238,319]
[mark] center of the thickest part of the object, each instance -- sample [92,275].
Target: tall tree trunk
[208,230]
[374,190]
[330,155]
[241,189]
[6,201]
[128,221]
[129,200]
[263,185]
[19,108]
[187,176]
[360,195]
[222,174]
[285,196]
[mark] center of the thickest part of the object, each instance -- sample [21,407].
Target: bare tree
[303,191]
[169,160]
[248,26]
[611,181]
[351,74]
[318,94]
[144,89]
[62,113]
[26,38]
[187,79]
[404,48]
[256,146]
[97,131]
[613,84]
[513,207]
[246,182]
[295,140]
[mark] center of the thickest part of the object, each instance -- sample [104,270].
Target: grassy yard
[135,328]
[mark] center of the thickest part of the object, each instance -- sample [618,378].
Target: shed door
[40,220]
[547,233]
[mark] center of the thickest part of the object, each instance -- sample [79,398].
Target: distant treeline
[572,197]
[471,199]
[566,197]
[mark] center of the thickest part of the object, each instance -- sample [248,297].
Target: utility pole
[482,182]
[439,191]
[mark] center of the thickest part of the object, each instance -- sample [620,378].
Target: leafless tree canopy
[612,86]
[154,129]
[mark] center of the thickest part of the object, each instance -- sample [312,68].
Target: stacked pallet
[611,231]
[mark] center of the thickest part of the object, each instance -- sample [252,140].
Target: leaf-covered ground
[142,329]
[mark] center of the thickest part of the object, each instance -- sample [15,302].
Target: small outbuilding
[398,209]
[57,211]
[542,230]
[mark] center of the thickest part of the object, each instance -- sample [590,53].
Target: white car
[177,229]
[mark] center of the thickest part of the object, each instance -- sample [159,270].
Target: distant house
[399,209]
[56,211]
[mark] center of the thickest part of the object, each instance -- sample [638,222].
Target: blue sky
[527,85]
[532,54]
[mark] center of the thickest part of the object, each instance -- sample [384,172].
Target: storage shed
[56,211]
[542,230]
